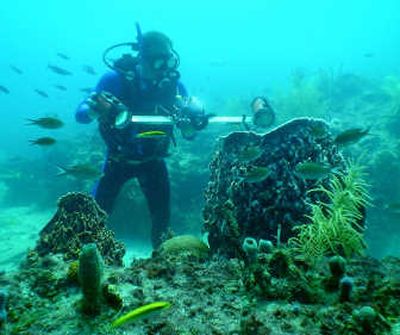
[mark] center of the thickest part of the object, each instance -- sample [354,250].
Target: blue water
[227,48]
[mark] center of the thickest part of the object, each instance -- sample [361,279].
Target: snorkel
[139,35]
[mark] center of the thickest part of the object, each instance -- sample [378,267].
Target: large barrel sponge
[271,207]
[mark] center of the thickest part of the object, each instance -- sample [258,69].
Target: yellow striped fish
[151,134]
[141,312]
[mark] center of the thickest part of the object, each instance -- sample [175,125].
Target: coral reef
[253,196]
[271,206]
[79,221]
[275,295]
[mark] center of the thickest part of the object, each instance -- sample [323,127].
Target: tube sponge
[90,274]
[250,248]
[346,286]
[337,266]
[265,246]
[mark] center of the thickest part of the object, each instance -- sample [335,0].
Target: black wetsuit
[130,156]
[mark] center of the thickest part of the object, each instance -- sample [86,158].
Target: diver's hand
[191,117]
[193,111]
[98,104]
[104,106]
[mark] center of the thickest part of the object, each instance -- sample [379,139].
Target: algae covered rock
[185,245]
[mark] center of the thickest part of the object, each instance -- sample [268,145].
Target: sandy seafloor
[19,231]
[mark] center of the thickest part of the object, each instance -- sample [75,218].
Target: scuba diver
[144,82]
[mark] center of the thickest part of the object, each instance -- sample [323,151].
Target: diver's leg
[109,185]
[154,182]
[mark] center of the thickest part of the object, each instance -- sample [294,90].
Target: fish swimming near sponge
[255,174]
[313,170]
[249,153]
[351,136]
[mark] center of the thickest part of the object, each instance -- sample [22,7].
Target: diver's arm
[110,82]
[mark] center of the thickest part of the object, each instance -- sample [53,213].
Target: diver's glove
[192,117]
[106,108]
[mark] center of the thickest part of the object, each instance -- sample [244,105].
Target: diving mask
[165,62]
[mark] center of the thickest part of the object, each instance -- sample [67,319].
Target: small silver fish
[63,56]
[4,89]
[46,122]
[59,70]
[255,174]
[41,93]
[60,87]
[16,69]
[84,171]
[249,153]
[89,69]
[312,170]
[43,141]
[351,136]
